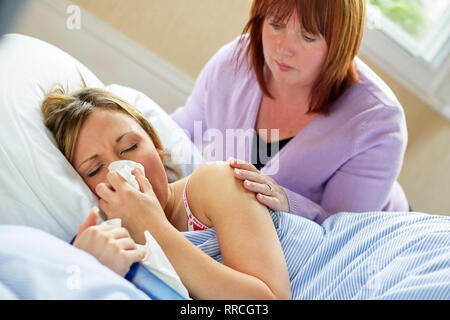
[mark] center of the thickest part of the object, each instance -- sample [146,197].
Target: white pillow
[38,186]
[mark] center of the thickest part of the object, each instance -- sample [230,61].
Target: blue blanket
[374,255]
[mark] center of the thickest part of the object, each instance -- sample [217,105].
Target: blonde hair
[65,113]
[340,22]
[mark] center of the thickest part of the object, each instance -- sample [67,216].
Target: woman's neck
[290,97]
[174,204]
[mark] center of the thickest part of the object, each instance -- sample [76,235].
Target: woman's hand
[138,210]
[112,246]
[268,192]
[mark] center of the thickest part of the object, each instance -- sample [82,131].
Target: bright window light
[410,40]
[421,27]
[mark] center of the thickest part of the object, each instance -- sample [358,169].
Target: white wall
[113,57]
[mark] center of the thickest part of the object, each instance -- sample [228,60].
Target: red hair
[340,22]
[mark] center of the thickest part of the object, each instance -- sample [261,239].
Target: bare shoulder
[217,180]
[213,186]
[210,172]
[245,231]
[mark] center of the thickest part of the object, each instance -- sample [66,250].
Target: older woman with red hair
[317,132]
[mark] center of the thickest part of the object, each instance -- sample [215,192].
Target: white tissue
[156,261]
[124,167]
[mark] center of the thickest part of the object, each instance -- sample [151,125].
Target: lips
[283,67]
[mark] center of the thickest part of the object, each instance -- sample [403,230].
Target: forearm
[204,277]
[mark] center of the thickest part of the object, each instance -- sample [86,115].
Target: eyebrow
[96,155]
[120,138]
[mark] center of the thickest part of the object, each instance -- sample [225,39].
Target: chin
[288,82]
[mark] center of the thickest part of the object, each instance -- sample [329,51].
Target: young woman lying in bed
[93,128]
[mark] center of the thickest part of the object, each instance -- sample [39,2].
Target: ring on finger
[270,188]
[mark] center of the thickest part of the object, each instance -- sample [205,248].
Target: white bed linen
[41,266]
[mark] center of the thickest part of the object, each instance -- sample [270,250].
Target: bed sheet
[375,255]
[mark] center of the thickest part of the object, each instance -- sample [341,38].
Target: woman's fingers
[123,260]
[271,202]
[90,221]
[144,184]
[119,233]
[267,190]
[265,195]
[116,180]
[135,255]
[104,192]
[249,175]
[255,187]
[241,164]
[126,244]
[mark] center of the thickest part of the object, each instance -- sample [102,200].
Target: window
[410,39]
[422,27]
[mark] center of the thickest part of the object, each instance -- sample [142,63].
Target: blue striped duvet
[378,255]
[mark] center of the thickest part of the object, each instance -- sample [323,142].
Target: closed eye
[93,173]
[133,147]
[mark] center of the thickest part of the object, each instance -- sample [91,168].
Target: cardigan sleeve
[366,180]
[302,206]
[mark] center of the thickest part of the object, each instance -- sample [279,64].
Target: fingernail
[248,183]
[237,171]
[95,209]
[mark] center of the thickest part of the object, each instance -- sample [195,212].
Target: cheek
[317,57]
[92,184]
[268,41]
[92,187]
[269,52]
[154,169]
[95,180]
[311,63]
[148,158]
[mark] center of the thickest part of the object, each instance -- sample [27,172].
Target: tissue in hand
[124,167]
[155,260]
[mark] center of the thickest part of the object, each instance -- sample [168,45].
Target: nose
[285,47]
[112,158]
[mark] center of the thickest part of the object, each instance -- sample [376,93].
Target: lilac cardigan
[348,160]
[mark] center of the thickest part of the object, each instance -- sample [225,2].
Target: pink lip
[283,67]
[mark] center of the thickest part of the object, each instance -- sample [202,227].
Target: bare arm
[254,265]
